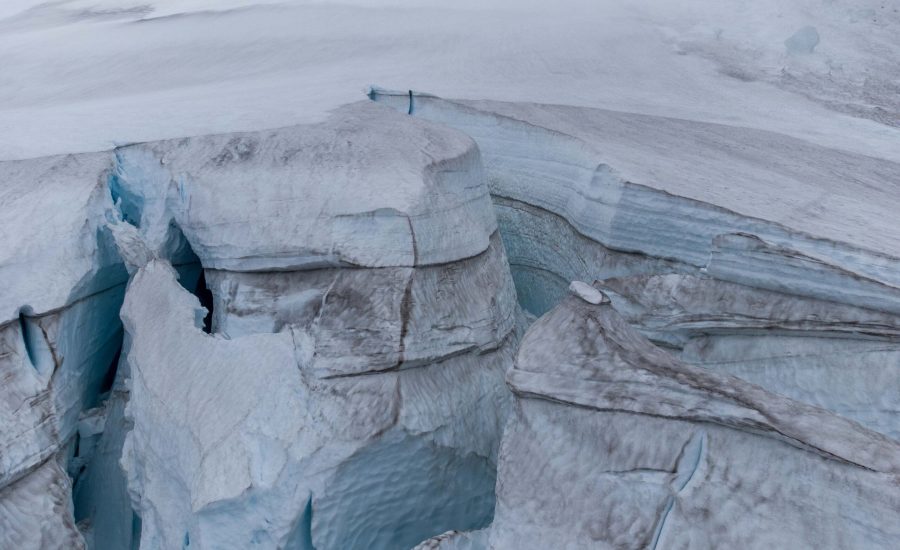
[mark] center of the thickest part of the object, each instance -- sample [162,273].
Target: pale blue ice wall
[795,299]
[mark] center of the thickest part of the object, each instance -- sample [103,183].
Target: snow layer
[193,67]
[613,443]
[68,256]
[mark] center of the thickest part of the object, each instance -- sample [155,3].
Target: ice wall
[351,392]
[366,246]
[63,283]
[710,239]
[613,443]
[339,382]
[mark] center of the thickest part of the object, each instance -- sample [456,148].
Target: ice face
[294,437]
[612,442]
[416,208]
[598,170]
[697,264]
[385,287]
[351,392]
[63,284]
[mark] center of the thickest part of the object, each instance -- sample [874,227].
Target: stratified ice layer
[691,230]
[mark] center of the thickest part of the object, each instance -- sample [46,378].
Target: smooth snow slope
[85,75]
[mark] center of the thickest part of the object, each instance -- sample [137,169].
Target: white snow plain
[85,75]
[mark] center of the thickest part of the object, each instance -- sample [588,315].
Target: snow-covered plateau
[384,274]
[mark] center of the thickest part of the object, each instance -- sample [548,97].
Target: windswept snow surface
[85,75]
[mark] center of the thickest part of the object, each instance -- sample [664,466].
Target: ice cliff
[342,383]
[613,443]
[350,394]
[62,288]
[696,242]
[304,337]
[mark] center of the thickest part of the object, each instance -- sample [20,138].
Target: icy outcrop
[698,243]
[836,356]
[351,393]
[852,377]
[676,307]
[421,315]
[375,235]
[665,197]
[36,510]
[614,443]
[237,441]
[742,251]
[336,379]
[422,202]
[63,283]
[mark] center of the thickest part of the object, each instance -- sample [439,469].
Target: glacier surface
[696,262]
[300,327]
[615,443]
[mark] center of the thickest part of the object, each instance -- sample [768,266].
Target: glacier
[378,328]
[614,443]
[328,365]
[371,357]
[694,264]
[63,284]
[252,300]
